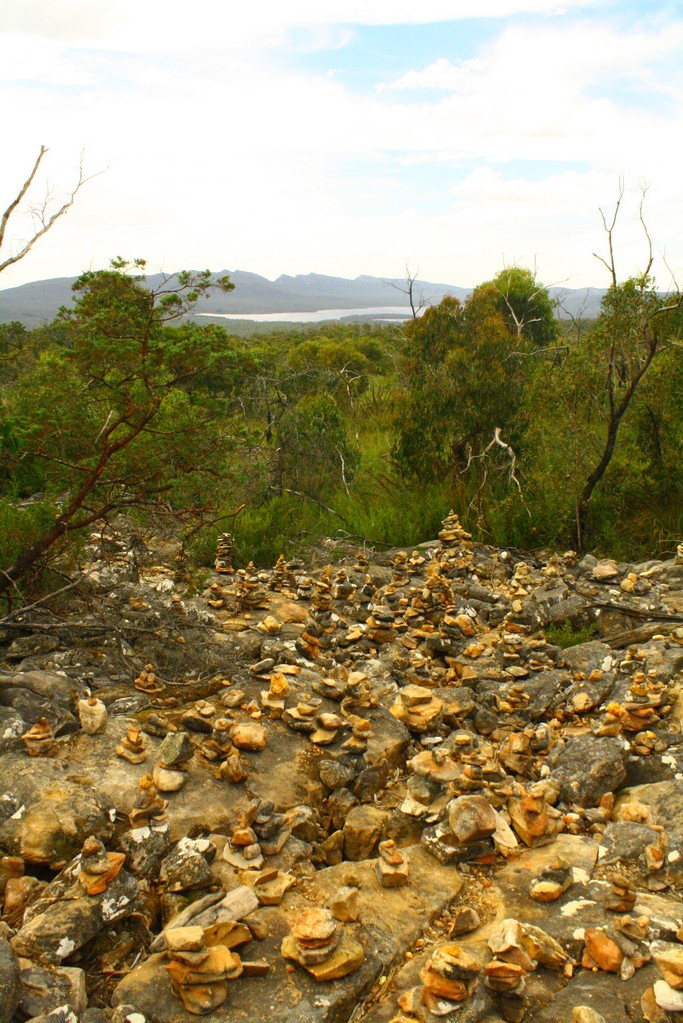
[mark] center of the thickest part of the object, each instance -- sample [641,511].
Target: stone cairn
[466,833]
[273,699]
[343,588]
[199,974]
[148,807]
[173,764]
[147,681]
[92,715]
[225,551]
[199,717]
[279,579]
[219,746]
[132,746]
[392,865]
[233,769]
[39,740]
[517,950]
[247,591]
[418,709]
[98,867]
[554,880]
[450,978]
[260,832]
[322,945]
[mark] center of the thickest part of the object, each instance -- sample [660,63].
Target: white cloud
[546,57]
[156,24]
[219,156]
[552,93]
[67,20]
[442,74]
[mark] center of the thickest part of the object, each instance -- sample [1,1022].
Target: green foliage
[21,525]
[283,525]
[604,425]
[526,305]
[314,451]
[461,381]
[565,634]
[292,524]
[114,417]
[351,431]
[395,513]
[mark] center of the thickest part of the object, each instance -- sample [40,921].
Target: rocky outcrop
[374,788]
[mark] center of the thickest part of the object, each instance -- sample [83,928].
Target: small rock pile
[322,945]
[199,975]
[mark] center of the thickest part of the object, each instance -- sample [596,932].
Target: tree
[460,383]
[111,418]
[13,338]
[526,305]
[636,326]
[314,454]
[408,287]
[596,425]
[45,213]
[634,329]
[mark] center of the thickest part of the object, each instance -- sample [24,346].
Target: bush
[565,634]
[20,527]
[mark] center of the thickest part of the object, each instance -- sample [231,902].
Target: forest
[539,432]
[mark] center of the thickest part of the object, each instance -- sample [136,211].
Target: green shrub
[21,526]
[565,634]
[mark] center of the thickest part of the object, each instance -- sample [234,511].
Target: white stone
[667,998]
[65,947]
[575,907]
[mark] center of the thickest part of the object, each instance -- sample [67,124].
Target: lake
[315,316]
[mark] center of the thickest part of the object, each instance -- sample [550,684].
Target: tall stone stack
[225,553]
[199,974]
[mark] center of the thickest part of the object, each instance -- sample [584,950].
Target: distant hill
[37,303]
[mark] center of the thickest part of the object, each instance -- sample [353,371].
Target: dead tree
[416,300]
[45,214]
[627,359]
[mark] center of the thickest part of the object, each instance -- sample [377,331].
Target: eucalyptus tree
[119,415]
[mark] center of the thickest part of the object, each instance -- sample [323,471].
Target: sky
[450,137]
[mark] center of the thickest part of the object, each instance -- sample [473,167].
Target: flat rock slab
[281,773]
[49,684]
[394,917]
[666,799]
[277,773]
[46,816]
[390,920]
[616,1001]
[587,767]
[511,885]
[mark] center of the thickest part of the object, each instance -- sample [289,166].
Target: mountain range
[38,302]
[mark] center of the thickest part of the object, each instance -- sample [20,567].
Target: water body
[317,315]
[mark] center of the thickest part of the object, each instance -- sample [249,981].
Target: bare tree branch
[609,229]
[648,267]
[22,192]
[45,219]
[497,441]
[417,303]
